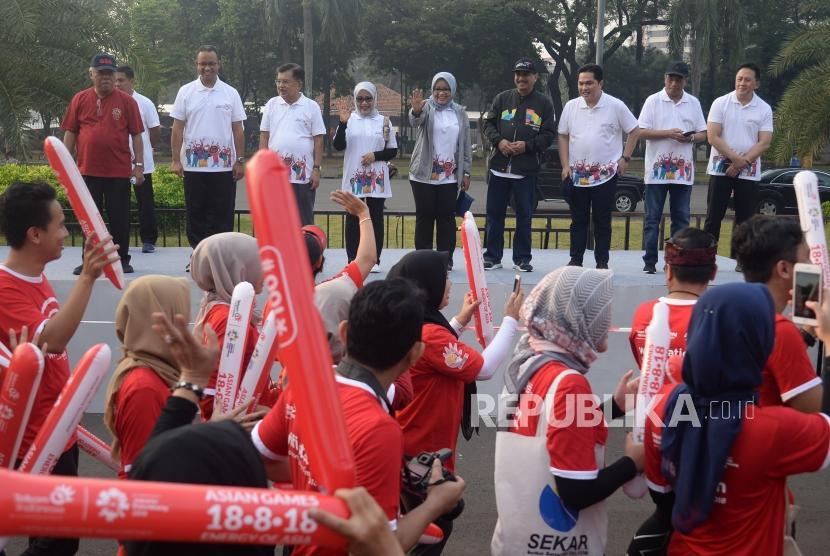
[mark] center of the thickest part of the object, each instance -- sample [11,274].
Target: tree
[802,120]
[46,45]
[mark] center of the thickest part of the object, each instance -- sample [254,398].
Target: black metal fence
[549,228]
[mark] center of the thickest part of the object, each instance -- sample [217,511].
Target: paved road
[402,197]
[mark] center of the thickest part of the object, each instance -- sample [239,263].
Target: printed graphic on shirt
[116,113]
[367,181]
[719,164]
[533,119]
[297,166]
[669,166]
[508,114]
[442,169]
[591,173]
[207,153]
[454,358]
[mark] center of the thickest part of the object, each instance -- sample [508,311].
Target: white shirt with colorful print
[740,126]
[667,160]
[208,114]
[595,137]
[366,135]
[292,128]
[445,143]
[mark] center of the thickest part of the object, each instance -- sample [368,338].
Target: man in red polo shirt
[383,339]
[98,124]
[33,223]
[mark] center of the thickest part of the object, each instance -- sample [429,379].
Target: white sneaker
[375,269]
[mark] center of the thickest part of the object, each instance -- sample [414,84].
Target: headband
[676,255]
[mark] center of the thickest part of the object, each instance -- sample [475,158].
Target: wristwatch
[626,158]
[240,159]
[139,164]
[317,167]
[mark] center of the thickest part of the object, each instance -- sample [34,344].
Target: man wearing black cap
[520,127]
[671,122]
[98,125]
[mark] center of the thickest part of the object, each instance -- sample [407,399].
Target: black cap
[103,61]
[525,64]
[678,68]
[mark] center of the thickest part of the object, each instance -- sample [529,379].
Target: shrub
[167,186]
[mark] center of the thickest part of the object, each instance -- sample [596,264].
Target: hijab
[213,453]
[219,263]
[568,315]
[373,91]
[450,79]
[731,334]
[428,269]
[142,346]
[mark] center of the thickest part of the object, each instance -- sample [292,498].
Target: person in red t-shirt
[98,125]
[218,264]
[718,460]
[690,266]
[33,223]
[141,383]
[552,482]
[382,337]
[443,379]
[767,249]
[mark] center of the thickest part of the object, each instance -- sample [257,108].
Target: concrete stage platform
[632,288]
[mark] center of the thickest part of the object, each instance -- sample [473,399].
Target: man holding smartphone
[671,122]
[768,248]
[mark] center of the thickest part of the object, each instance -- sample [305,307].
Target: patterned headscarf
[569,310]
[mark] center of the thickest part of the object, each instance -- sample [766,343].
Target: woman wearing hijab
[723,459]
[443,379]
[141,383]
[217,265]
[550,474]
[441,162]
[369,142]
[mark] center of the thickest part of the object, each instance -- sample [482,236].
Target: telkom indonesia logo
[554,512]
[273,267]
[113,504]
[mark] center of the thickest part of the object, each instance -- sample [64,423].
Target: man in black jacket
[520,127]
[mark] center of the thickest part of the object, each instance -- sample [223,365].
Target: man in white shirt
[740,131]
[592,155]
[671,121]
[292,125]
[208,147]
[147,229]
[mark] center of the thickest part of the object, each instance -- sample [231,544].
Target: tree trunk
[638,53]
[553,90]
[308,46]
[327,118]
[697,48]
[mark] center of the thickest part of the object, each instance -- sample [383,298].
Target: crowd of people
[405,379]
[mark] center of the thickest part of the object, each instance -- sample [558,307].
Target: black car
[630,189]
[776,194]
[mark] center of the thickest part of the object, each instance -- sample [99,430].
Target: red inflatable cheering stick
[302,341]
[58,506]
[82,204]
[19,386]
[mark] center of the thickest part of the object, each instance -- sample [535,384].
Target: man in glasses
[292,125]
[208,147]
[520,127]
[98,125]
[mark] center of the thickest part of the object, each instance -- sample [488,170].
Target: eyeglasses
[285,81]
[441,90]
[364,99]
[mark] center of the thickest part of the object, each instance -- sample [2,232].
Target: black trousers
[147,228]
[720,190]
[112,196]
[209,198]
[435,209]
[596,203]
[408,503]
[305,202]
[375,205]
[67,465]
